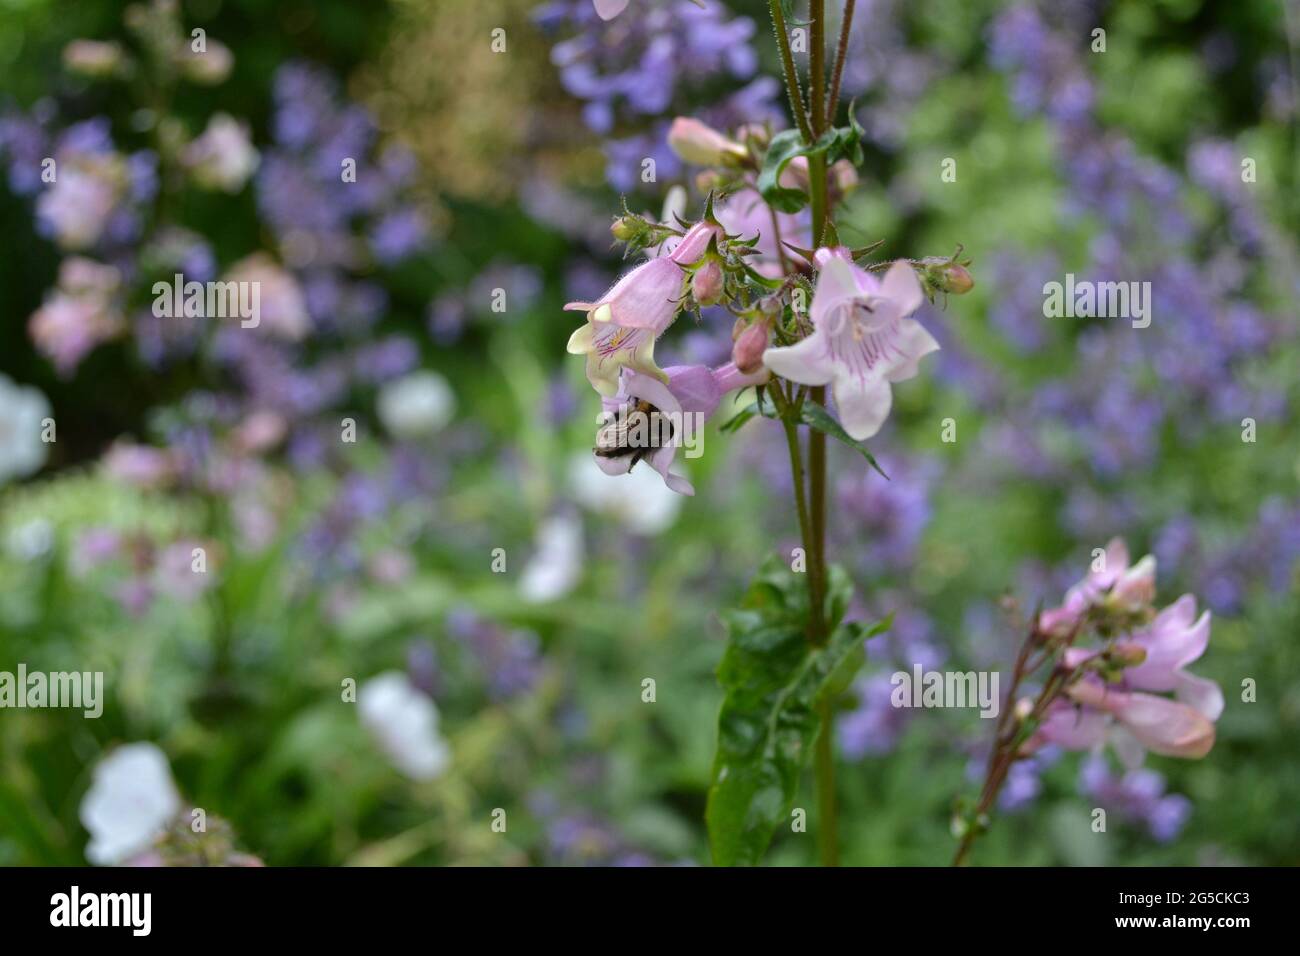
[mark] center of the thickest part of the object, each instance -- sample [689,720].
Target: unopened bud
[625,228]
[748,350]
[1128,654]
[956,280]
[843,176]
[707,283]
[701,145]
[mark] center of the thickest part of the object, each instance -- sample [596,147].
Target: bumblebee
[637,429]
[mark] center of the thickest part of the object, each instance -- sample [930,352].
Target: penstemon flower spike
[806,316]
[1108,693]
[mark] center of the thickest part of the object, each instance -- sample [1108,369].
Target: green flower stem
[828,839]
[827,819]
[812,507]
[787,64]
[841,54]
[817,65]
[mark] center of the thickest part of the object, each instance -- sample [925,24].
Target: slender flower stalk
[787,65]
[841,54]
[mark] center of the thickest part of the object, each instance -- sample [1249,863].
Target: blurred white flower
[404,722]
[131,800]
[556,566]
[22,408]
[223,157]
[639,499]
[420,403]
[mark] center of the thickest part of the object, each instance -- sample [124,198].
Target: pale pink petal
[1170,645]
[837,285]
[609,9]
[614,466]
[903,288]
[863,402]
[646,298]
[1074,728]
[1201,694]
[1162,725]
[695,243]
[914,342]
[807,362]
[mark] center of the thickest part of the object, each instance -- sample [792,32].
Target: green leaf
[760,406]
[815,416]
[838,143]
[810,414]
[784,147]
[772,679]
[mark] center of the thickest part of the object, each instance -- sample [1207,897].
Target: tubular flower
[862,340]
[622,325]
[702,145]
[1116,698]
[1131,721]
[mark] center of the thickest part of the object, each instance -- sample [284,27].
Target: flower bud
[701,145]
[748,351]
[626,228]
[1128,654]
[1136,587]
[843,176]
[948,276]
[707,283]
[956,280]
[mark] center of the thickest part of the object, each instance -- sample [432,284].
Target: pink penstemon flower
[1110,691]
[862,340]
[623,324]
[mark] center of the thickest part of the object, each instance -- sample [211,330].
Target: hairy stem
[841,54]
[817,65]
[787,64]
[828,837]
